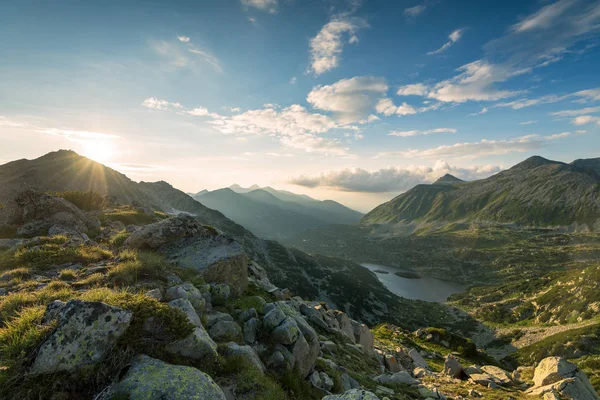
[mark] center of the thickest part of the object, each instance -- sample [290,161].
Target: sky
[350,100]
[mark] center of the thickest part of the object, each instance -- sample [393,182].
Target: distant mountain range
[275,214]
[535,192]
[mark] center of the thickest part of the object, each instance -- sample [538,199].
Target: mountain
[275,214]
[537,192]
[447,180]
[238,189]
[590,163]
[342,283]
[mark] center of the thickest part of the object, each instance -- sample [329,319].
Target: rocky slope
[166,307]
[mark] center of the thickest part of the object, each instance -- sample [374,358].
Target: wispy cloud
[391,179]
[184,39]
[426,132]
[573,113]
[326,48]
[585,120]
[182,54]
[414,11]
[77,135]
[452,38]
[159,104]
[263,5]
[481,148]
[4,121]
[527,122]
[483,111]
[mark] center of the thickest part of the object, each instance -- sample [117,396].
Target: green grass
[130,216]
[50,254]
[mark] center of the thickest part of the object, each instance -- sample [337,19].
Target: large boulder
[217,257]
[86,331]
[501,377]
[353,394]
[224,331]
[453,368]
[198,345]
[555,374]
[35,213]
[363,336]
[148,378]
[417,359]
[247,353]
[188,292]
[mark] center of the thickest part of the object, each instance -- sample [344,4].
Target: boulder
[417,359]
[248,314]
[273,318]
[555,374]
[348,382]
[186,307]
[188,292]
[86,331]
[363,336]
[391,364]
[287,332]
[353,394]
[224,331]
[220,293]
[158,234]
[155,294]
[247,353]
[304,359]
[553,369]
[251,330]
[197,345]
[217,316]
[453,368]
[398,377]
[501,377]
[345,325]
[148,378]
[52,312]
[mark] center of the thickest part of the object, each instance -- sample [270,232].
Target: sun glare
[101,151]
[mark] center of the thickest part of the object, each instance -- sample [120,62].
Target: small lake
[425,288]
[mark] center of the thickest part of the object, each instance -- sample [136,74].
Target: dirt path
[536,333]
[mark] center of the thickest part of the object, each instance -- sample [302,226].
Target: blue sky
[344,99]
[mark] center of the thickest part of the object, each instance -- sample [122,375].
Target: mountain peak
[447,180]
[534,162]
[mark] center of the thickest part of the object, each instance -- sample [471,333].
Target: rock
[155,294]
[53,311]
[154,236]
[315,379]
[287,332]
[249,313]
[259,303]
[189,292]
[33,213]
[421,372]
[326,381]
[329,346]
[474,393]
[273,318]
[217,316]
[277,361]
[353,394]
[304,359]
[482,379]
[551,396]
[363,336]
[257,271]
[473,369]
[384,391]
[398,377]
[186,307]
[220,293]
[417,359]
[86,331]
[431,393]
[391,363]
[555,374]
[197,345]
[330,363]
[251,330]
[349,382]
[148,378]
[224,331]
[247,353]
[453,368]
[500,376]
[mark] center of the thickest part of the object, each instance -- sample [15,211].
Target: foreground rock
[555,375]
[218,258]
[148,378]
[353,394]
[86,331]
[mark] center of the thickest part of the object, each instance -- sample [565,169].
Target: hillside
[536,192]
[329,279]
[274,214]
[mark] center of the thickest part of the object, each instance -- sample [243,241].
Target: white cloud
[545,17]
[77,135]
[159,104]
[387,107]
[326,48]
[178,56]
[573,113]
[453,38]
[483,111]
[391,179]
[586,119]
[208,58]
[8,122]
[203,112]
[477,149]
[426,132]
[293,80]
[183,39]
[590,94]
[416,89]
[522,103]
[349,99]
[527,122]
[264,5]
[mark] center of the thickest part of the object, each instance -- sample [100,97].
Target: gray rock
[86,331]
[246,315]
[251,330]
[555,374]
[217,316]
[286,333]
[345,325]
[189,292]
[277,361]
[353,394]
[329,346]
[153,236]
[501,377]
[417,359]
[397,377]
[349,382]
[155,294]
[53,311]
[197,345]
[304,359]
[453,368]
[187,308]
[247,353]
[315,379]
[148,378]
[220,293]
[363,336]
[326,381]
[273,318]
[224,331]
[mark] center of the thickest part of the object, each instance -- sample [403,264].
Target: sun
[101,151]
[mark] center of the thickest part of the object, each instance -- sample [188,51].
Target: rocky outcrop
[34,213]
[86,331]
[557,375]
[149,378]
[353,394]
[153,236]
